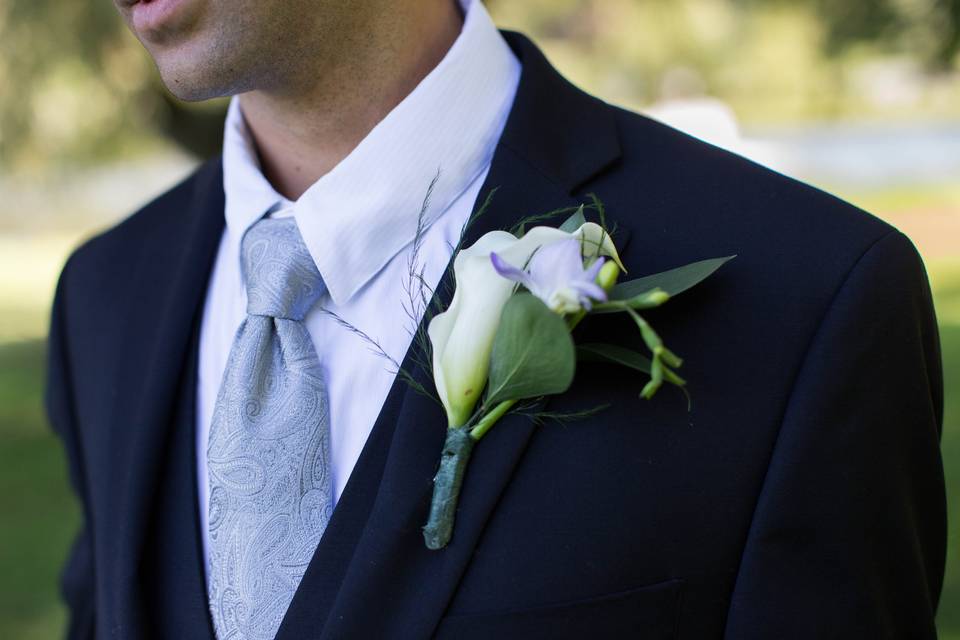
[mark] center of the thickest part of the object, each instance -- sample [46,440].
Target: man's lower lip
[153,15]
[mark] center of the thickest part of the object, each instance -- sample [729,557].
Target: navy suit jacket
[801,496]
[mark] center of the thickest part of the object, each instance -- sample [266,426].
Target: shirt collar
[362,213]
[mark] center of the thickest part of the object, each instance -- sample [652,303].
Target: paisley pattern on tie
[269,448]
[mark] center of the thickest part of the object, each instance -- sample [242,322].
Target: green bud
[656,379]
[608,275]
[669,357]
[658,297]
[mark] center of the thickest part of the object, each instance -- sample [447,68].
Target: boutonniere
[506,337]
[505,341]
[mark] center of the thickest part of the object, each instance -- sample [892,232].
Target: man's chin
[194,91]
[195,69]
[193,82]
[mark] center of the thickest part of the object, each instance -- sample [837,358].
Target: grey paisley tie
[268,453]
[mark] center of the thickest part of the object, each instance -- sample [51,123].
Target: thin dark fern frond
[602,214]
[563,417]
[414,384]
[426,291]
[473,218]
[597,205]
[417,304]
[413,286]
[520,226]
[372,344]
[376,348]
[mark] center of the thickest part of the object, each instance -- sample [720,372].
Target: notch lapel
[171,278]
[556,138]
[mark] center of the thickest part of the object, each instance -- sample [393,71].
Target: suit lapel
[556,138]
[170,281]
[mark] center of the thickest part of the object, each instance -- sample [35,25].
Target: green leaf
[611,353]
[533,353]
[671,282]
[574,222]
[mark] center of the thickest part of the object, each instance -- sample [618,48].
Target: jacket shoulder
[686,199]
[737,192]
[683,200]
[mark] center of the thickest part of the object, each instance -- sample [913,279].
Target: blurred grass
[40,516]
[945,278]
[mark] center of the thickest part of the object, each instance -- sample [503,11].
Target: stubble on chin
[217,57]
[246,45]
[213,73]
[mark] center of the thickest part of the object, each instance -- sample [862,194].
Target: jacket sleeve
[77,578]
[849,532]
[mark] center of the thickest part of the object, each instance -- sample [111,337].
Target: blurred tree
[77,87]
[68,79]
[928,28]
[950,49]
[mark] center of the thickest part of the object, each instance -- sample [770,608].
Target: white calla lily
[462,336]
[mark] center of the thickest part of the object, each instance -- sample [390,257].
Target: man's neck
[304,129]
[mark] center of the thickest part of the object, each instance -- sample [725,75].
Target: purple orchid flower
[555,274]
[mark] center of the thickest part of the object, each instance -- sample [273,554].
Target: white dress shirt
[358,222]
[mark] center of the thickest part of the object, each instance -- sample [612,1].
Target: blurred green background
[861,98]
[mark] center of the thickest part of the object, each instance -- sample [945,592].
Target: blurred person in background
[803,497]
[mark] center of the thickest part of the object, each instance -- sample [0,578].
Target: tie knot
[282,279]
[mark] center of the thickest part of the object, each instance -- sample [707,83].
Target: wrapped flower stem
[446,487]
